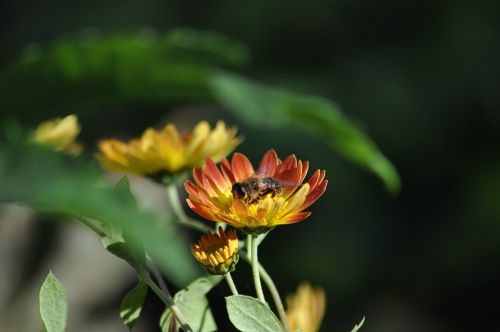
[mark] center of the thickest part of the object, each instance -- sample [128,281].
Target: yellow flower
[218,253]
[59,134]
[254,201]
[306,308]
[162,152]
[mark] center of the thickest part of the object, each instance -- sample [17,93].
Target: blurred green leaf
[193,304]
[47,180]
[250,315]
[53,304]
[130,308]
[358,326]
[265,106]
[94,70]
[115,241]
[121,250]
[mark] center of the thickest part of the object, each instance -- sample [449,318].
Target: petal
[294,218]
[314,194]
[305,168]
[296,200]
[268,163]
[191,189]
[314,179]
[201,210]
[226,170]
[241,166]
[289,163]
[198,176]
[215,175]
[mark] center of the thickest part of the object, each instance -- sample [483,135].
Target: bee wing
[286,183]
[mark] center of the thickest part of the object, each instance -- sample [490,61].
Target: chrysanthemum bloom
[59,134]
[162,152]
[218,253]
[305,309]
[278,197]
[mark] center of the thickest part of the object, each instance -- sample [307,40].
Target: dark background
[420,77]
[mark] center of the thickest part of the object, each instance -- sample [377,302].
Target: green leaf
[122,188]
[319,117]
[53,304]
[92,69]
[115,240]
[130,308]
[120,249]
[358,326]
[193,303]
[47,180]
[250,315]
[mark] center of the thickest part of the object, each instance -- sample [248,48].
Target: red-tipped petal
[295,218]
[242,168]
[226,170]
[191,188]
[200,210]
[198,176]
[209,186]
[314,194]
[268,163]
[314,179]
[215,175]
[289,163]
[305,169]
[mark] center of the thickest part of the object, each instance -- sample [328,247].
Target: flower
[214,193]
[59,134]
[306,308]
[166,151]
[218,253]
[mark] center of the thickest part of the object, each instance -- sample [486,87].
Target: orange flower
[160,152]
[274,195]
[306,308]
[218,253]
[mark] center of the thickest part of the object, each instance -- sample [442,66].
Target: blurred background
[419,77]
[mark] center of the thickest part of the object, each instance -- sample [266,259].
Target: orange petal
[191,188]
[201,210]
[240,208]
[294,218]
[268,163]
[242,168]
[305,169]
[226,170]
[289,163]
[314,194]
[314,179]
[215,175]
[198,176]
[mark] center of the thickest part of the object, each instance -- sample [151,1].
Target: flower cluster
[159,152]
[247,199]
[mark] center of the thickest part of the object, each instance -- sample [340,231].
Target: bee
[254,188]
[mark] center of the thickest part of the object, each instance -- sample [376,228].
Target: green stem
[231,284]
[273,290]
[157,274]
[276,297]
[169,302]
[249,246]
[182,218]
[90,225]
[255,270]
